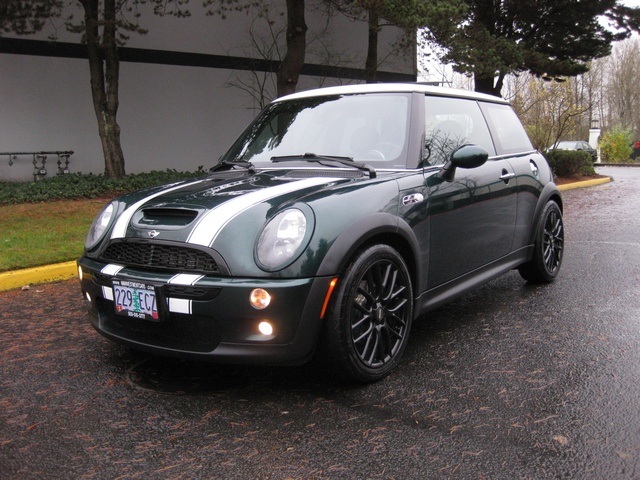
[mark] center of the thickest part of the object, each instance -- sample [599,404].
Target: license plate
[135,299]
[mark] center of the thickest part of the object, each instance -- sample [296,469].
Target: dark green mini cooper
[338,217]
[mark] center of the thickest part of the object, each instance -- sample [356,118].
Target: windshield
[371,128]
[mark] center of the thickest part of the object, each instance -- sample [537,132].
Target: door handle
[506,176]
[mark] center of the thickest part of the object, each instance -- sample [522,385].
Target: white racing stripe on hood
[120,228]
[212,223]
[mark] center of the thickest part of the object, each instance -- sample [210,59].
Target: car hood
[197,212]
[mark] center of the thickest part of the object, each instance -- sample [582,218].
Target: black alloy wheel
[548,249]
[371,320]
[553,241]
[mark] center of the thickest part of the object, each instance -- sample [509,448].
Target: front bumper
[210,317]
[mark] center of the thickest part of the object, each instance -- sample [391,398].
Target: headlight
[99,225]
[281,239]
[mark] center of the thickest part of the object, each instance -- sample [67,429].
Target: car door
[473,217]
[513,145]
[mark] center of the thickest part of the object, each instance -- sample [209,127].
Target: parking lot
[511,381]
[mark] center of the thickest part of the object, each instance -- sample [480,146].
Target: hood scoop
[164,217]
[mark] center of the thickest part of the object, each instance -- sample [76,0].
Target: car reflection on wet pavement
[511,381]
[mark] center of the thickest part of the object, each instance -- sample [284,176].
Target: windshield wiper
[227,165]
[322,159]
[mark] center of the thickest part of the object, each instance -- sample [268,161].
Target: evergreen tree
[548,38]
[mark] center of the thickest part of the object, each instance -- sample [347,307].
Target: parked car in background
[577,145]
[337,218]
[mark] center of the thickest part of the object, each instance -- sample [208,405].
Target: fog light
[79,272]
[265,328]
[259,299]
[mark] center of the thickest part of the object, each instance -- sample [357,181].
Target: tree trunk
[485,84]
[104,68]
[371,64]
[291,65]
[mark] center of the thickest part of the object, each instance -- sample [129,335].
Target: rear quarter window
[509,135]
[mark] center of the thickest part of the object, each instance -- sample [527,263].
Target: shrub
[570,163]
[68,187]
[615,145]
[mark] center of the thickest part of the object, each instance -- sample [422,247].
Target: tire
[370,318]
[548,247]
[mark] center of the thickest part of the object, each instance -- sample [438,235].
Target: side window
[509,134]
[451,123]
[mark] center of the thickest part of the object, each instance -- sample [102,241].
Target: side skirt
[446,292]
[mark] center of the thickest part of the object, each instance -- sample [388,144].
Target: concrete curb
[31,276]
[64,271]
[585,183]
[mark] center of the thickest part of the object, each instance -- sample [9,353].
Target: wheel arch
[549,193]
[376,228]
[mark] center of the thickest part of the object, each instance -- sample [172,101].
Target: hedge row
[570,163]
[76,186]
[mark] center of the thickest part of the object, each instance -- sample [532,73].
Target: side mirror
[466,156]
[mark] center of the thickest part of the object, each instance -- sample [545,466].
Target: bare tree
[26,17]
[100,30]
[623,88]
[266,43]
[265,38]
[549,110]
[408,15]
[104,26]
[293,61]
[592,90]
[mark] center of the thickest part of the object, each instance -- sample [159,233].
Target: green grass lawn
[33,234]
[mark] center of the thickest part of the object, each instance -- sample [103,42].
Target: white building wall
[171,116]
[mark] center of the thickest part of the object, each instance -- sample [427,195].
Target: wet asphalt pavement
[509,382]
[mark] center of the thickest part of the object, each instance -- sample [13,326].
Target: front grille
[190,292]
[161,256]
